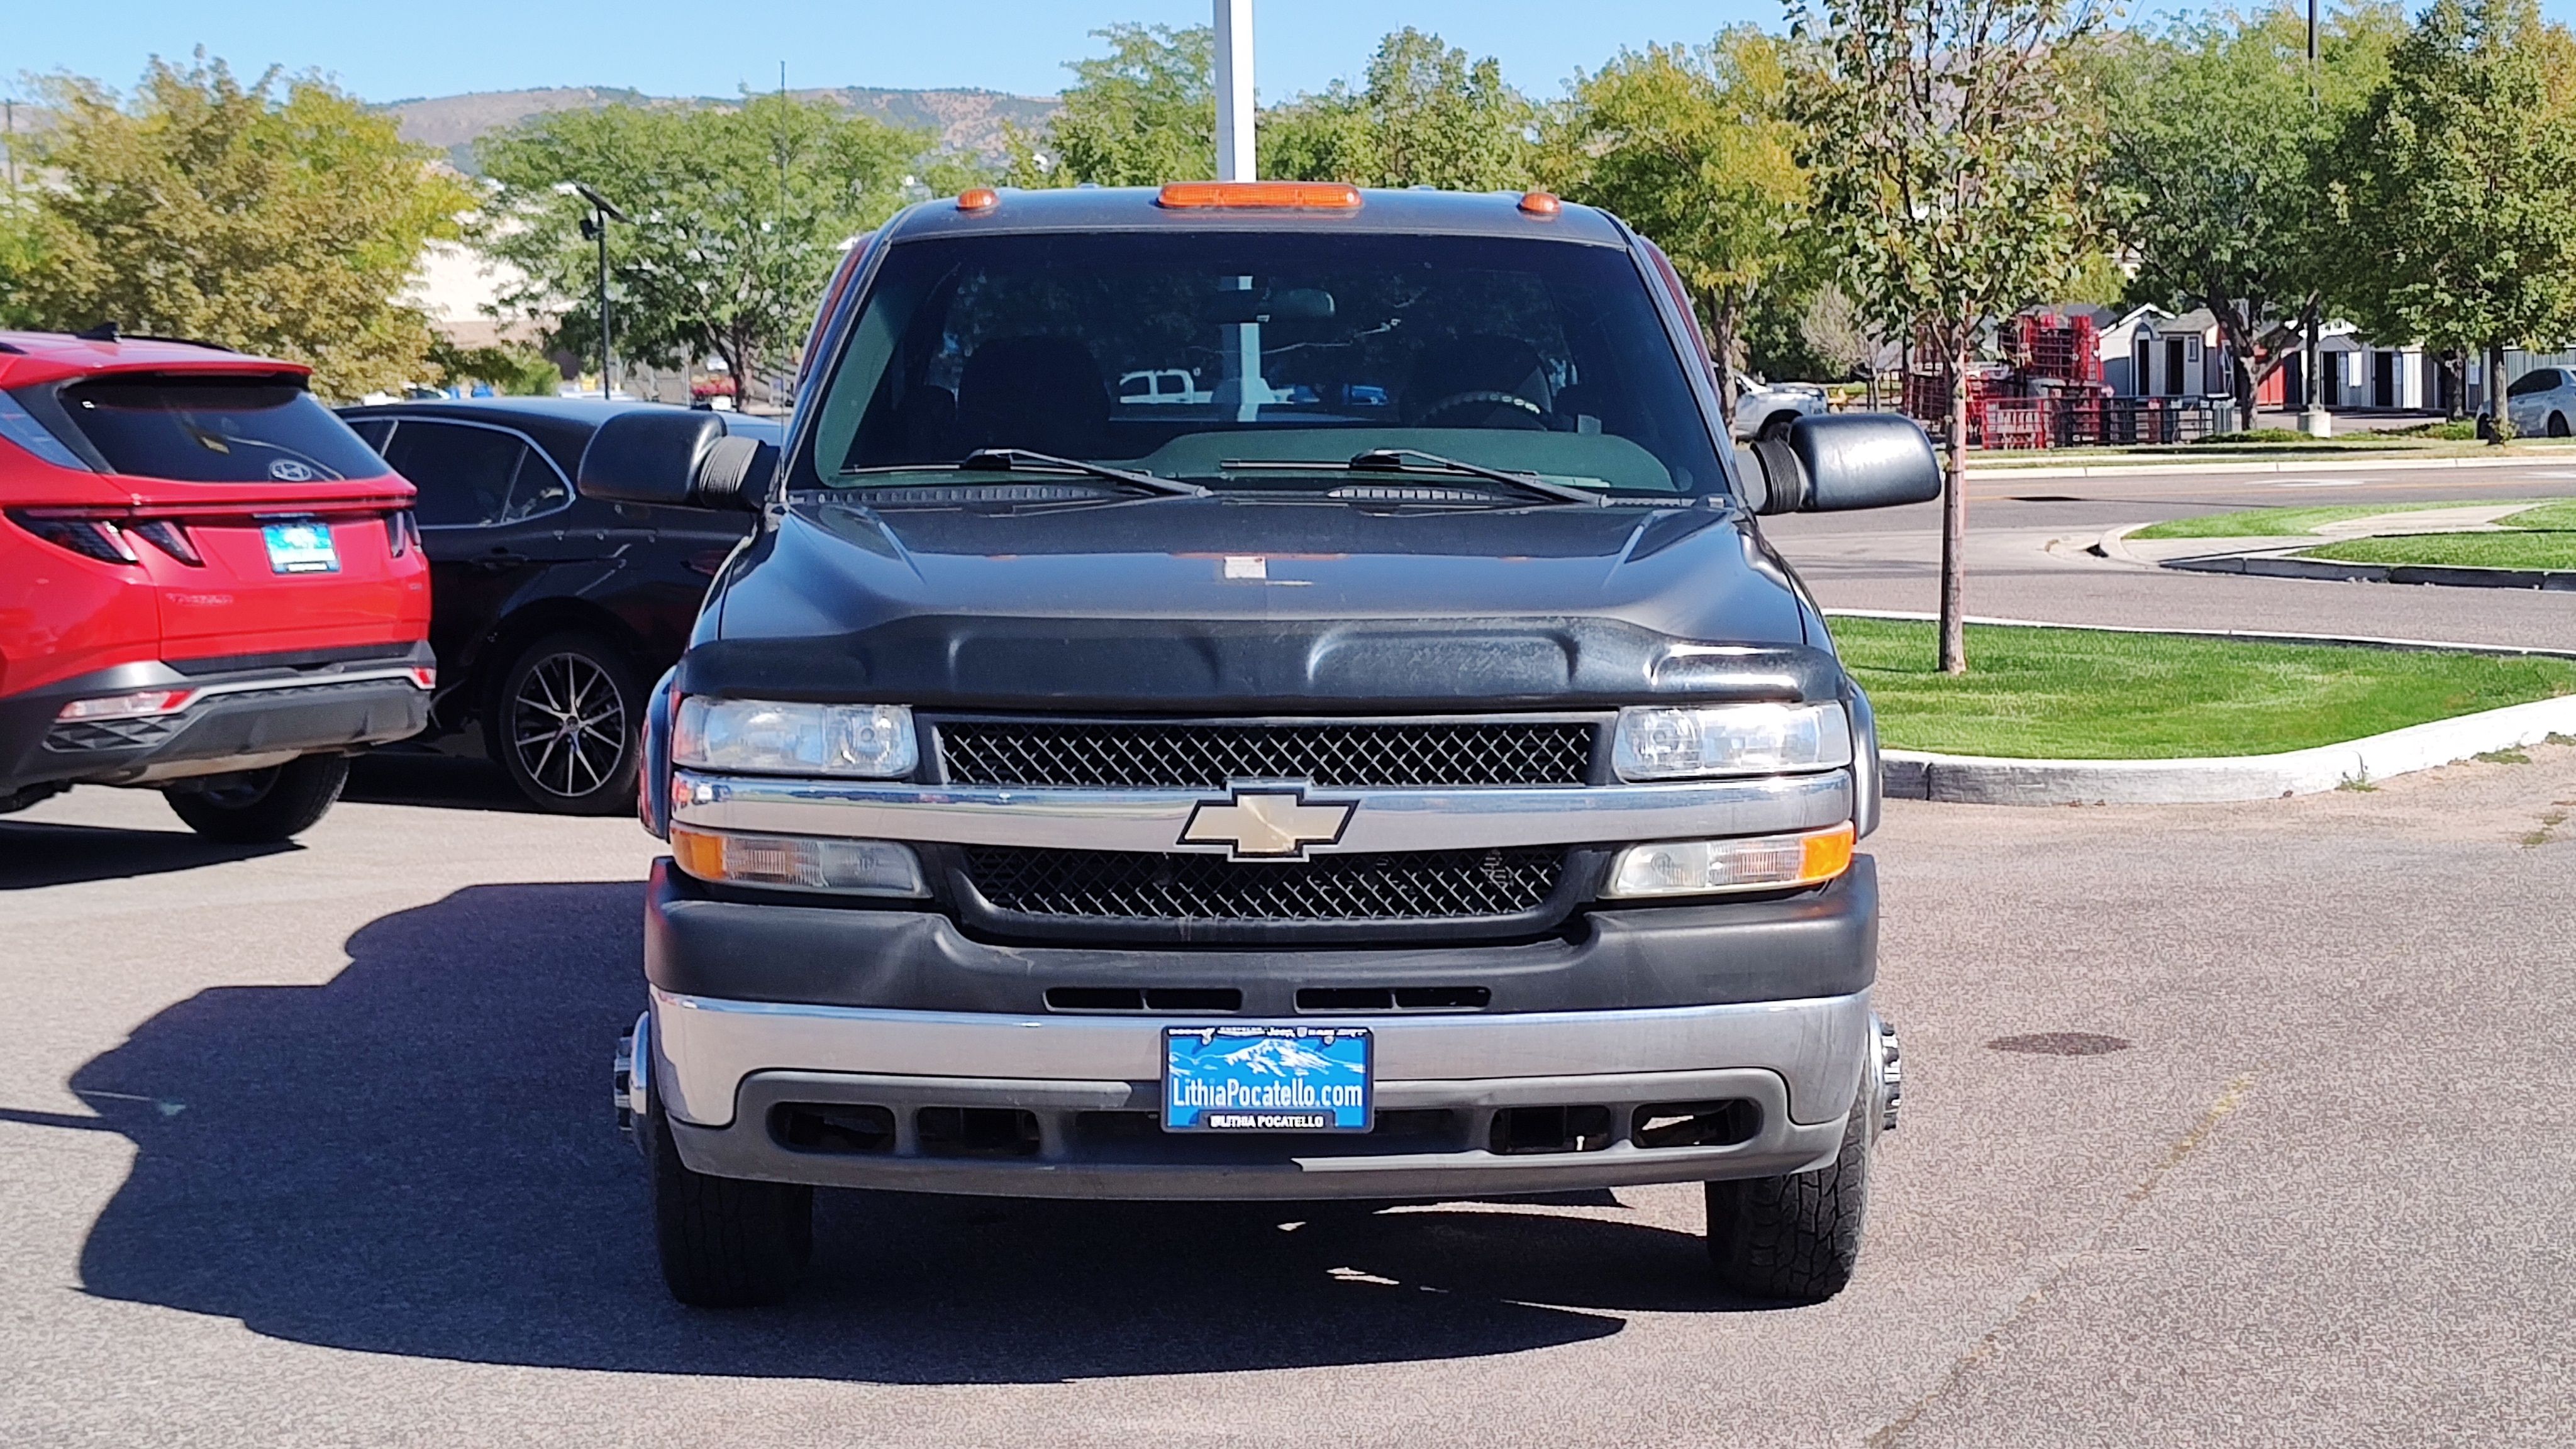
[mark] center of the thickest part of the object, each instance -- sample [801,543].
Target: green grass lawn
[2541,538]
[2267,522]
[2089,694]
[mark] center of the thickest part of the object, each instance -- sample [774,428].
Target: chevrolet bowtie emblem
[1260,824]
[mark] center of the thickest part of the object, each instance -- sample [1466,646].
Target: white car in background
[2542,402]
[1761,405]
[1161,385]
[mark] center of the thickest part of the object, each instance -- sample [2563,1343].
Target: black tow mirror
[675,458]
[1844,460]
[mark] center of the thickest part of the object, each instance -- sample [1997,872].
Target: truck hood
[1235,603]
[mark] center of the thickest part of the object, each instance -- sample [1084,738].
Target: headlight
[1756,863]
[873,740]
[1657,742]
[849,867]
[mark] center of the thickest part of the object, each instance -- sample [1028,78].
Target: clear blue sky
[391,51]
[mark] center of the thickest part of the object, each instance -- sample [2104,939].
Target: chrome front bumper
[719,1067]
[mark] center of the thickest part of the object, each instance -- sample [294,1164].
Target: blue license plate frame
[302,546]
[1251,1077]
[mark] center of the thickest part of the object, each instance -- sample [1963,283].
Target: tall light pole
[1240,385]
[594,227]
[1234,153]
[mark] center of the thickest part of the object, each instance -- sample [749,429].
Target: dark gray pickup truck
[1392,765]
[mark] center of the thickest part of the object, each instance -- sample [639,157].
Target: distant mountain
[966,120]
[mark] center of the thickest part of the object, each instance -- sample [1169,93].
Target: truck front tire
[725,1242]
[1796,1239]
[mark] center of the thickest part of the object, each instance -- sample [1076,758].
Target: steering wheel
[1487,397]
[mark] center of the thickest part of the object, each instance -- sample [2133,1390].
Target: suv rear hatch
[267,525]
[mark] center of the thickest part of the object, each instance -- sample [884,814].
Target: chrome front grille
[1146,887]
[1334,755]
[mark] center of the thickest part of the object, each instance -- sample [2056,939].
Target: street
[1891,558]
[2224,1125]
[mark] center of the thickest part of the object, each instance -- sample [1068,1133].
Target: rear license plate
[1267,1079]
[301,548]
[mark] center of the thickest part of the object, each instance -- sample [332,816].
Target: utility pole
[1234,152]
[2313,419]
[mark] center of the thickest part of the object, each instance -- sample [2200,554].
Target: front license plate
[301,548]
[1267,1079]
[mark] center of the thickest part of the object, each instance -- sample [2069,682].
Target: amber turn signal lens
[1290,195]
[979,198]
[1745,863]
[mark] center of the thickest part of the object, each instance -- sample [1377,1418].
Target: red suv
[209,586]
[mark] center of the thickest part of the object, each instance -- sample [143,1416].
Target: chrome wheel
[568,725]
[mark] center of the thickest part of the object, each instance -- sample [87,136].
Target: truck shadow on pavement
[419,1158]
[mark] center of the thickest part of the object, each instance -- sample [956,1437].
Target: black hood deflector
[1237,606]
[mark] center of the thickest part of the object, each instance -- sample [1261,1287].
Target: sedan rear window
[216,430]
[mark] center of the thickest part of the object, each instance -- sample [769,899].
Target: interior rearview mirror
[675,458]
[1841,461]
[1289,304]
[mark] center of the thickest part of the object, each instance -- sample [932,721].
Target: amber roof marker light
[978,198]
[1264,195]
[1542,204]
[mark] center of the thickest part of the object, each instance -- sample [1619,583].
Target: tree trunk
[2498,414]
[1954,520]
[1727,317]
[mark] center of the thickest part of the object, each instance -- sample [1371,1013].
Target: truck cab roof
[1141,208]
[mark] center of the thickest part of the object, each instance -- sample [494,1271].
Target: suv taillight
[89,537]
[171,537]
[402,532]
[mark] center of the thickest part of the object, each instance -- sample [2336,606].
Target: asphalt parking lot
[313,1146]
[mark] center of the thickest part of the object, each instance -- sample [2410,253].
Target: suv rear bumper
[243,718]
[1088,1090]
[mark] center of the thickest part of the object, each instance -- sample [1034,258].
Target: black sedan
[552,614]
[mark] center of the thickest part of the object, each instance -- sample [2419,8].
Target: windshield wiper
[1005,460]
[1395,460]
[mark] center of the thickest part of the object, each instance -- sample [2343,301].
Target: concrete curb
[2281,566]
[1998,780]
[2382,464]
[1985,780]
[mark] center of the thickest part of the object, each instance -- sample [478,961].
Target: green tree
[287,225]
[1694,148]
[1949,146]
[1142,115]
[1145,114]
[2455,188]
[512,371]
[1425,115]
[2214,131]
[739,216]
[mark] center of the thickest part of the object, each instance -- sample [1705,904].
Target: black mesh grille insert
[1206,756]
[1136,885]
[111,734]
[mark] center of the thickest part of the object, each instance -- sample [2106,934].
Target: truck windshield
[1184,354]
